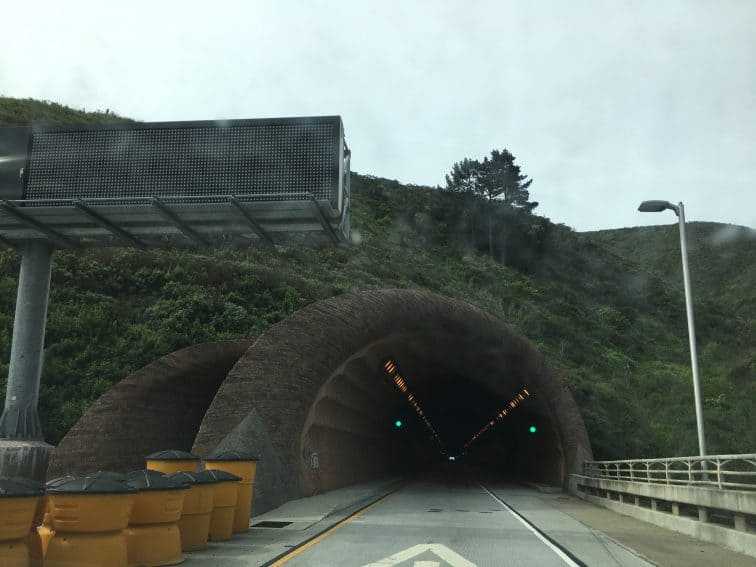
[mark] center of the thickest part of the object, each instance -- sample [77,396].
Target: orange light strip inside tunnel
[499,416]
[393,372]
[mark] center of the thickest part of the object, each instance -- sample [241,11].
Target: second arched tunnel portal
[317,383]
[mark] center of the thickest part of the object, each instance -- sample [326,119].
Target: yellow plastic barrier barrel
[39,541]
[194,523]
[18,502]
[39,535]
[89,514]
[153,537]
[224,505]
[172,461]
[243,465]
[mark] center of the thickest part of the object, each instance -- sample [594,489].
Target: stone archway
[158,407]
[315,382]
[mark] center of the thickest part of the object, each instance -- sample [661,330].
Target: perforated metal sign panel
[266,159]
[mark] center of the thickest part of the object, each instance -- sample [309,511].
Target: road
[458,523]
[449,519]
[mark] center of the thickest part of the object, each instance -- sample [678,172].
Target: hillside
[609,317]
[723,271]
[20,112]
[722,266]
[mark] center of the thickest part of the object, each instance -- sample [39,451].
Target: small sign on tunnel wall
[314,461]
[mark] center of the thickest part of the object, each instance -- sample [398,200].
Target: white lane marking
[546,542]
[441,551]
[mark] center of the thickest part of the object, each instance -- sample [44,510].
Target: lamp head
[654,206]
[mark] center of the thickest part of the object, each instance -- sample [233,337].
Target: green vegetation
[498,185]
[606,308]
[20,112]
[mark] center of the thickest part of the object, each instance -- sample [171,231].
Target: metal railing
[721,471]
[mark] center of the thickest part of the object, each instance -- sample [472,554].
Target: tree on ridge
[496,179]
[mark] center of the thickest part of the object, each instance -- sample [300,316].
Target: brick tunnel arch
[157,407]
[314,384]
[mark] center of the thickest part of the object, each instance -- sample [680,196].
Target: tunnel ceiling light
[520,397]
[394,374]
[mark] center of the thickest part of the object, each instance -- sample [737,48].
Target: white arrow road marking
[441,551]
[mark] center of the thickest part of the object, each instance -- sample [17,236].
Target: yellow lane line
[330,531]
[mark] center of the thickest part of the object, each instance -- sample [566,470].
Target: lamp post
[656,207]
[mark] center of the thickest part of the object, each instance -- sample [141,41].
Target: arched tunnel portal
[317,383]
[157,407]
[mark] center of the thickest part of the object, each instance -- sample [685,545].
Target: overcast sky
[603,103]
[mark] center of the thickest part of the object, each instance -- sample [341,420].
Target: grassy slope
[722,261]
[20,112]
[609,323]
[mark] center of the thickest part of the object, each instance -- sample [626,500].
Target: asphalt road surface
[434,523]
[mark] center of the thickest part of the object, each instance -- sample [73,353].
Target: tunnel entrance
[462,399]
[318,382]
[313,398]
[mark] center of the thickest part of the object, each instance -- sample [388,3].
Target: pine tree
[496,179]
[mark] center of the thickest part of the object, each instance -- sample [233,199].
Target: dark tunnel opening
[364,424]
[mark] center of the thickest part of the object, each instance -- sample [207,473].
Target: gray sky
[604,103]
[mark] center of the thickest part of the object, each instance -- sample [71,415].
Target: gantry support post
[22,450]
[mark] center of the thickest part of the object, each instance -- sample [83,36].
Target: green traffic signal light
[532,429]
[398,423]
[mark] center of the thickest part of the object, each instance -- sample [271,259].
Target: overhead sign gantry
[143,184]
[148,184]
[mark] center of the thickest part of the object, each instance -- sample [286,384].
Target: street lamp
[656,207]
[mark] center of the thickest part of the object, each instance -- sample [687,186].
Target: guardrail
[712,498]
[734,472]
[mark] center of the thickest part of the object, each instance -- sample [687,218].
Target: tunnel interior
[362,424]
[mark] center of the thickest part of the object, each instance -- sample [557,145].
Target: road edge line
[289,554]
[563,553]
